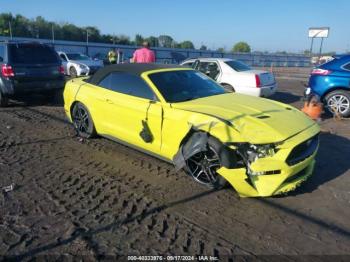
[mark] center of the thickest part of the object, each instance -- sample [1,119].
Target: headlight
[260,151]
[83,66]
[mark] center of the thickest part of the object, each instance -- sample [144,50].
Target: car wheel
[338,103]
[228,87]
[82,121]
[202,166]
[73,72]
[3,100]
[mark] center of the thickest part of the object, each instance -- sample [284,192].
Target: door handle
[109,101]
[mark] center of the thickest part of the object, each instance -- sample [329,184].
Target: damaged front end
[273,169]
[259,169]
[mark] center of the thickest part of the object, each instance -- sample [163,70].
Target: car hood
[258,120]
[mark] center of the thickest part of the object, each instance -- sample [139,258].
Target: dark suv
[29,67]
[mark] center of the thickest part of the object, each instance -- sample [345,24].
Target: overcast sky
[267,25]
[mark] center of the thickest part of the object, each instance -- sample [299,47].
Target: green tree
[139,40]
[153,41]
[203,47]
[186,45]
[166,41]
[221,50]
[242,47]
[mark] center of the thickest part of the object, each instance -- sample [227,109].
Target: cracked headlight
[260,151]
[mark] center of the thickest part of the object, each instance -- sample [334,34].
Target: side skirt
[137,148]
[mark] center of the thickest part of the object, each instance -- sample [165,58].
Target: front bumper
[266,91]
[83,71]
[87,70]
[279,177]
[13,87]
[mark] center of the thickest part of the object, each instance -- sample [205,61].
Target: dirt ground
[100,200]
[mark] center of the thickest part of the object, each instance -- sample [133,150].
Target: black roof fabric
[132,68]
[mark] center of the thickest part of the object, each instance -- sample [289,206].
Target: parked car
[29,67]
[331,82]
[77,64]
[260,146]
[101,57]
[236,76]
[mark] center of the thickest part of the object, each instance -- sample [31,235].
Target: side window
[211,69]
[203,67]
[63,57]
[347,66]
[2,53]
[127,84]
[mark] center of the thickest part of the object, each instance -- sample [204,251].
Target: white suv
[235,76]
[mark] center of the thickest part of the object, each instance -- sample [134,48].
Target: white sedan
[236,76]
[77,64]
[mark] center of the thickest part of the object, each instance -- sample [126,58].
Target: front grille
[302,151]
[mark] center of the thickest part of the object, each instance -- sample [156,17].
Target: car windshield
[185,85]
[77,57]
[237,65]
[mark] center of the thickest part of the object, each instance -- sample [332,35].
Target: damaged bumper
[292,164]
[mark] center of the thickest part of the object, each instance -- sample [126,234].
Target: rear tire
[4,101]
[82,121]
[202,166]
[338,103]
[73,72]
[228,88]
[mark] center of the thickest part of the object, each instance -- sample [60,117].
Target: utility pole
[321,46]
[10,30]
[87,42]
[53,34]
[87,37]
[312,43]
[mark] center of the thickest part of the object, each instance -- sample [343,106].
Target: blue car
[331,82]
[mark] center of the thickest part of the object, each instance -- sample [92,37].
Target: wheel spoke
[194,161]
[203,166]
[199,173]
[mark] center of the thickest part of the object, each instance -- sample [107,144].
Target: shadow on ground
[285,97]
[332,161]
[36,100]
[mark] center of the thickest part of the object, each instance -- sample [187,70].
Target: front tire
[82,121]
[338,103]
[73,72]
[202,166]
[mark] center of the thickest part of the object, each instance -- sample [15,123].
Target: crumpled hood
[258,120]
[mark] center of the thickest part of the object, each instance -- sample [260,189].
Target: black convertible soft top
[133,68]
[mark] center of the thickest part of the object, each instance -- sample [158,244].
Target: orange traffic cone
[313,108]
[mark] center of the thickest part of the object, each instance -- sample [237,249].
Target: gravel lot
[100,200]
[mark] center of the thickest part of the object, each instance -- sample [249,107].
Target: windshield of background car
[32,54]
[238,66]
[77,57]
[185,85]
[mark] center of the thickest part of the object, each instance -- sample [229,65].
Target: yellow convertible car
[259,146]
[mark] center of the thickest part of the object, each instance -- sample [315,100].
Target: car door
[130,111]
